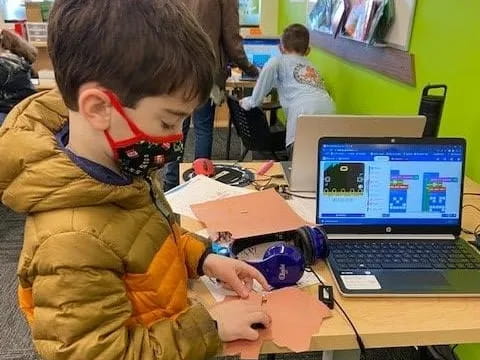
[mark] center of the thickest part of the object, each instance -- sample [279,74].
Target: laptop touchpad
[409,279]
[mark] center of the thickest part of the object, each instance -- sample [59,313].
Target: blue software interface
[389,184]
[259,51]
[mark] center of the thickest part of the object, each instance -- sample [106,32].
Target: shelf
[394,63]
[39,44]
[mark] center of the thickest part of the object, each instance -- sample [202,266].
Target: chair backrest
[251,126]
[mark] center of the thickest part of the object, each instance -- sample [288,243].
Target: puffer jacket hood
[36,175]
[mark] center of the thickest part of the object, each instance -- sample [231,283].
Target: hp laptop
[302,172]
[259,51]
[393,209]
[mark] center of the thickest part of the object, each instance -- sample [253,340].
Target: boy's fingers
[238,286]
[259,317]
[250,334]
[257,275]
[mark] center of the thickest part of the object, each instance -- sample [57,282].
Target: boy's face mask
[142,153]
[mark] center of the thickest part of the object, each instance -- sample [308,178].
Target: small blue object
[220,249]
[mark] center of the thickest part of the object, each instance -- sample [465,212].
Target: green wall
[446,46]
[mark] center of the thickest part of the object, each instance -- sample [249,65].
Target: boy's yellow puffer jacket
[103,274]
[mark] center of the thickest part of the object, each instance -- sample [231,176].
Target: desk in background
[45,84]
[383,322]
[232,83]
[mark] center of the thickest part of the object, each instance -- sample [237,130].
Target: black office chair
[252,128]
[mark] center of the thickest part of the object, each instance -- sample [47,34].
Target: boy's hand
[236,274]
[235,319]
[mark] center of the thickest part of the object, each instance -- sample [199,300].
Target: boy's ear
[282,49]
[94,106]
[307,52]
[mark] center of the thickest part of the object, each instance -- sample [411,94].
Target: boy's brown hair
[296,38]
[135,48]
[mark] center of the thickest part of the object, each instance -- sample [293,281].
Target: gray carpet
[15,341]
[14,334]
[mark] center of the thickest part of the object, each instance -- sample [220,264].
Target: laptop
[259,51]
[393,210]
[301,173]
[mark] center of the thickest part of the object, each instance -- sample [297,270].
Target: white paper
[203,233]
[215,288]
[309,279]
[198,190]
[305,208]
[219,292]
[361,282]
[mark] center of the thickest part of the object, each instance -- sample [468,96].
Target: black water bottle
[431,106]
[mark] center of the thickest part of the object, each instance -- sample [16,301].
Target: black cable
[452,349]
[476,231]
[300,196]
[471,194]
[360,342]
[436,352]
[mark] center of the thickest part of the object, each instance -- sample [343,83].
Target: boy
[103,271]
[299,85]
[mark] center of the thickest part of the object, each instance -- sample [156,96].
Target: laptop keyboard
[406,254]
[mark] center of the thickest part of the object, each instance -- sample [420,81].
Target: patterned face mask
[142,153]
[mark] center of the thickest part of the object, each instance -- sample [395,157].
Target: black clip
[325,295]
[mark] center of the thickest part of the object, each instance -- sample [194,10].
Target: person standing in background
[16,58]
[220,20]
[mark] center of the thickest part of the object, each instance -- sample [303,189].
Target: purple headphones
[282,257]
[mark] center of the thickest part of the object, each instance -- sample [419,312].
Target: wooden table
[385,322]
[47,84]
[238,83]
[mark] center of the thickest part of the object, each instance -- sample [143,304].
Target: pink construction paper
[258,213]
[296,317]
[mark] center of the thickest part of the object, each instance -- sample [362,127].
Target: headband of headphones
[283,264]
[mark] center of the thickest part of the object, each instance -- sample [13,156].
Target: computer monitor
[260,50]
[405,182]
[310,128]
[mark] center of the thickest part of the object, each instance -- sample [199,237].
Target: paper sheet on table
[296,317]
[258,213]
[305,208]
[219,293]
[248,349]
[199,190]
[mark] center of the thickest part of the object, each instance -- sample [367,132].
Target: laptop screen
[390,184]
[259,51]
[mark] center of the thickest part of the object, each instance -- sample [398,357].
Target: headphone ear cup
[304,242]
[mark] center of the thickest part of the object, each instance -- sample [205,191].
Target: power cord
[443,352]
[452,349]
[360,342]
[300,196]
[471,194]
[476,231]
